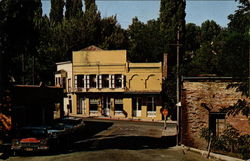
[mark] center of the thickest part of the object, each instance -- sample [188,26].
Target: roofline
[99,50]
[36,86]
[64,62]
[183,78]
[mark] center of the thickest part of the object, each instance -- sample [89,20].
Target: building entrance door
[137,103]
[106,106]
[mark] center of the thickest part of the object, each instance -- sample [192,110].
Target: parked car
[72,124]
[57,130]
[31,138]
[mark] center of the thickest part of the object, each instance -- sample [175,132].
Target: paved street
[118,141]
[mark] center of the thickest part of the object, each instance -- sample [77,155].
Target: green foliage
[88,4]
[244,146]
[144,40]
[192,37]
[234,55]
[56,11]
[73,9]
[209,31]
[205,133]
[239,21]
[172,16]
[240,107]
[229,141]
[21,34]
[112,36]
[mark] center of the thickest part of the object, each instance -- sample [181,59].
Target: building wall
[144,77]
[140,78]
[36,105]
[195,116]
[64,69]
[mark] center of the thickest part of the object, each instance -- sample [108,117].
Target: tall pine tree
[73,9]
[56,11]
[88,4]
[172,16]
[22,36]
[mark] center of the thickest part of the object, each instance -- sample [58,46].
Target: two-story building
[63,78]
[104,83]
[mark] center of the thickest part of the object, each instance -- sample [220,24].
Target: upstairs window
[93,81]
[118,81]
[80,81]
[105,81]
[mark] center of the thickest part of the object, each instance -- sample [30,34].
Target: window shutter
[97,81]
[75,81]
[87,81]
[122,81]
[113,81]
[110,81]
[100,81]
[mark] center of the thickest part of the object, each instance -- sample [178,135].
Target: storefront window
[93,104]
[119,106]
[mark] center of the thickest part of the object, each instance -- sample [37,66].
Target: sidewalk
[129,119]
[212,155]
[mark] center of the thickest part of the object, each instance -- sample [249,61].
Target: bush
[229,141]
[244,146]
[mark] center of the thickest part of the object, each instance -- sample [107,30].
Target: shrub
[229,141]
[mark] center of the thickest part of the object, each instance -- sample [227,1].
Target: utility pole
[178,83]
[33,71]
[249,69]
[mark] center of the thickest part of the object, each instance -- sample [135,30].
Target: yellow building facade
[105,84]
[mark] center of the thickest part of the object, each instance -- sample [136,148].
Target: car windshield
[71,122]
[57,126]
[29,132]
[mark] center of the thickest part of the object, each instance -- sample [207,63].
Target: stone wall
[215,96]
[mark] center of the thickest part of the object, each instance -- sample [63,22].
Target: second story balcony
[100,83]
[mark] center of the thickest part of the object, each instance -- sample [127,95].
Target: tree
[172,17]
[192,37]
[236,53]
[73,9]
[92,22]
[21,18]
[205,60]
[209,31]
[88,4]
[137,48]
[239,21]
[112,35]
[56,11]
[144,40]
[203,48]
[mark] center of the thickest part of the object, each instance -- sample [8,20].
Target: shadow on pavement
[91,128]
[87,141]
[126,142]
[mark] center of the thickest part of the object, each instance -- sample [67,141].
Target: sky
[197,11]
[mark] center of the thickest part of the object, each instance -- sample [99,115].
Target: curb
[212,155]
[130,119]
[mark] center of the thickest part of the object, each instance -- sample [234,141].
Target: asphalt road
[117,141]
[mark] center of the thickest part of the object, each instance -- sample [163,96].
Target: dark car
[74,126]
[31,139]
[73,123]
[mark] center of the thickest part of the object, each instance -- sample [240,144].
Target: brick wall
[195,117]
